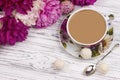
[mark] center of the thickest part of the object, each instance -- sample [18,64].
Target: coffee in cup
[86,27]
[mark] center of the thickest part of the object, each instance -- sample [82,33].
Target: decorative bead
[102,67]
[86,53]
[66,7]
[58,64]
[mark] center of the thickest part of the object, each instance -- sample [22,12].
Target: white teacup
[87,27]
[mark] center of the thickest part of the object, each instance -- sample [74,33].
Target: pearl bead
[58,64]
[102,67]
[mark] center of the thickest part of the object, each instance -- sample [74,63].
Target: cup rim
[71,15]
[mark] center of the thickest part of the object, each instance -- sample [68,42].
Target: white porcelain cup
[86,44]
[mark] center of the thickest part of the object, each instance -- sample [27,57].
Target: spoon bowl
[89,70]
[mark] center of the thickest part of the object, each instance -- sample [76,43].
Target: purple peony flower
[63,26]
[21,6]
[83,2]
[49,14]
[12,31]
[64,35]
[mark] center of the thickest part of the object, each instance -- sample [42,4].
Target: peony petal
[12,31]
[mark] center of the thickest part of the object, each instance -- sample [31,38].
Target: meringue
[86,53]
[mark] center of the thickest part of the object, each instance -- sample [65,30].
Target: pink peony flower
[83,2]
[32,16]
[67,7]
[21,6]
[12,31]
[50,14]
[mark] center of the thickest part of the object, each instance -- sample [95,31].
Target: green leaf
[71,42]
[110,32]
[111,17]
[61,31]
[64,44]
[95,53]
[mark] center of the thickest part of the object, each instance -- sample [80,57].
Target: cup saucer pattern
[97,49]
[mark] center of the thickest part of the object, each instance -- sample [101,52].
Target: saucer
[96,49]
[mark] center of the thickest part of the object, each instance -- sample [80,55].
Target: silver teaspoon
[89,70]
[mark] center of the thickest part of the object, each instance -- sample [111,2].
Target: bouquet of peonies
[17,16]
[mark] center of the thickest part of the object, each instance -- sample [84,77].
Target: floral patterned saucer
[96,49]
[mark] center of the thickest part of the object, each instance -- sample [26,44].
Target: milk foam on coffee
[87,26]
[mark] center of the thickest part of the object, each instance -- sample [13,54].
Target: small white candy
[86,53]
[58,64]
[102,67]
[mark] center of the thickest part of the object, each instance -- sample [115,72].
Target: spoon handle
[108,53]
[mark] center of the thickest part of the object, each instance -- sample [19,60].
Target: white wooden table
[32,59]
